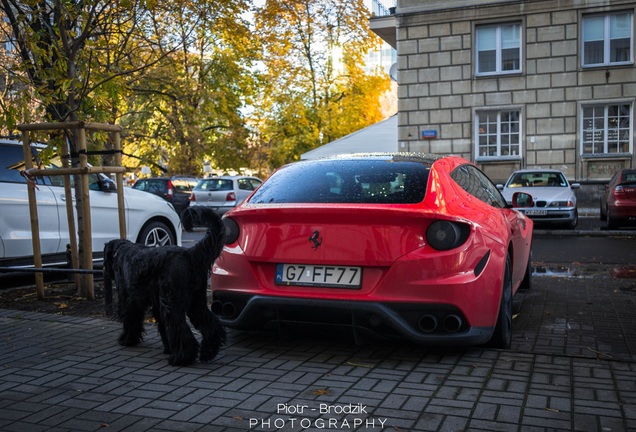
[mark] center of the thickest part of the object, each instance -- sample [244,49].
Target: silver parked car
[553,196]
[223,193]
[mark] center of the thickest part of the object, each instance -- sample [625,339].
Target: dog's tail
[209,248]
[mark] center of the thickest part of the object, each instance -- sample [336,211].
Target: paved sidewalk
[572,367]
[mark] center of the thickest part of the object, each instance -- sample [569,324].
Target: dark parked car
[175,190]
[618,203]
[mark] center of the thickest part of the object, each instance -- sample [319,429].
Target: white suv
[149,219]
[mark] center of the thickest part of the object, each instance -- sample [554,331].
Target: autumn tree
[58,46]
[187,108]
[314,86]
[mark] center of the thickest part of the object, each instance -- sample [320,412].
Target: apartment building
[515,84]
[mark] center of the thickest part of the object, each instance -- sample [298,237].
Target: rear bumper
[218,209]
[428,324]
[623,210]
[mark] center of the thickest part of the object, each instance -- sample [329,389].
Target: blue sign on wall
[429,134]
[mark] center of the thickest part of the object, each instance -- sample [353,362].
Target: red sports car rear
[399,245]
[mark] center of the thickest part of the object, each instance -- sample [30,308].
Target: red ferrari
[398,245]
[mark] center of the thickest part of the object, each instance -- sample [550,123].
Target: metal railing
[383,7]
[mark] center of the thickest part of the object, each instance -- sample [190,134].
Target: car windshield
[537,179]
[346,181]
[214,184]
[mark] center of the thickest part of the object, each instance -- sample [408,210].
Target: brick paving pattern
[571,368]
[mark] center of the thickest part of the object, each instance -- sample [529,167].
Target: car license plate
[536,212]
[322,276]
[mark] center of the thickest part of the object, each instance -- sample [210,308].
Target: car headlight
[445,235]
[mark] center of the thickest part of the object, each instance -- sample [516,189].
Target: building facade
[517,84]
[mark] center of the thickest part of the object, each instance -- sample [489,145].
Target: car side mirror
[575,185]
[500,186]
[522,199]
[107,185]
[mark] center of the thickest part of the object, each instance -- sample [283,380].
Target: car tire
[603,211]
[156,234]
[526,283]
[502,336]
[612,223]
[575,221]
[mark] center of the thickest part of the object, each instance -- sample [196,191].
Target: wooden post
[85,281]
[70,216]
[33,210]
[120,186]
[86,288]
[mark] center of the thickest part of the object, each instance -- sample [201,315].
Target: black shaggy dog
[172,282]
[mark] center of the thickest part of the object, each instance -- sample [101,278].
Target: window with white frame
[606,129]
[607,39]
[498,49]
[498,133]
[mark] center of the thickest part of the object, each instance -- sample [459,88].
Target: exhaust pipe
[452,323]
[216,307]
[228,310]
[225,310]
[428,323]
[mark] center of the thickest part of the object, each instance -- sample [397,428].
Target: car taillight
[192,197]
[619,191]
[231,196]
[170,189]
[445,235]
[231,230]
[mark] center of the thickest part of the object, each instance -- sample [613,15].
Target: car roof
[169,178]
[414,157]
[538,170]
[19,143]
[229,177]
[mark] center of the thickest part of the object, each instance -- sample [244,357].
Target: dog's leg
[184,347]
[156,312]
[212,332]
[132,314]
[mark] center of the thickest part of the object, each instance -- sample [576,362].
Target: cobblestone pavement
[571,368]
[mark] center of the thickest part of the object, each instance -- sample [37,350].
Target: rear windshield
[184,185]
[214,185]
[346,181]
[629,177]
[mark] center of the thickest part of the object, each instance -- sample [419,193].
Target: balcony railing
[383,7]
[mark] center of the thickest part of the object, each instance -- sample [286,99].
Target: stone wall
[438,90]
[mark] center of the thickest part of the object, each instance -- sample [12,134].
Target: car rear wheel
[502,337]
[603,210]
[156,234]
[526,283]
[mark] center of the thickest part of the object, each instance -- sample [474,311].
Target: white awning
[380,137]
